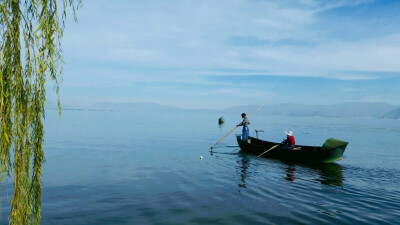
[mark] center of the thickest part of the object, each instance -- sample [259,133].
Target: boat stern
[332,143]
[333,149]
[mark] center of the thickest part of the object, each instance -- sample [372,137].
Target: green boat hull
[332,150]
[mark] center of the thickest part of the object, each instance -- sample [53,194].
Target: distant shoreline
[378,110]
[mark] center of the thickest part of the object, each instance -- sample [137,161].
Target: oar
[248,117]
[268,150]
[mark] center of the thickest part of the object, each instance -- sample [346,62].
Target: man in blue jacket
[245,123]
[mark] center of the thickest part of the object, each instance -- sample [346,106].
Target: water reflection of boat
[329,174]
[331,151]
[324,173]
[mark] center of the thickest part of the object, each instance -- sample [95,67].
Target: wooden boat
[332,150]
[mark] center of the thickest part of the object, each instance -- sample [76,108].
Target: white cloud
[194,35]
[117,43]
[328,5]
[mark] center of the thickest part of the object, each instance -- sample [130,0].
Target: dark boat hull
[331,151]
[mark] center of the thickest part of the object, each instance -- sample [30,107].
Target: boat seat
[297,148]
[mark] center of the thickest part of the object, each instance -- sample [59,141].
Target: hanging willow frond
[31,33]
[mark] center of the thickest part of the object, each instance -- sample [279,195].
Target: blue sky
[217,54]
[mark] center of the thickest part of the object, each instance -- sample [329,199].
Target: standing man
[245,123]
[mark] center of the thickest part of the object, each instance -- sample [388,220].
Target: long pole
[258,109]
[261,106]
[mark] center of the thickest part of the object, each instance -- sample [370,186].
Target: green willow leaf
[30,48]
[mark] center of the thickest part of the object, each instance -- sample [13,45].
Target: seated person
[289,143]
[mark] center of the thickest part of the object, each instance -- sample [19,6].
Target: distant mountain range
[140,106]
[348,109]
[394,114]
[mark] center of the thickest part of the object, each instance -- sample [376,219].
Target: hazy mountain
[143,106]
[349,109]
[394,114]
[54,105]
[140,106]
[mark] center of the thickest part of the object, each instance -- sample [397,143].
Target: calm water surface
[145,168]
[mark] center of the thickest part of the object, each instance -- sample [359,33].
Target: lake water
[108,167]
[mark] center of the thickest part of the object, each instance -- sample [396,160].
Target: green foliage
[31,32]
